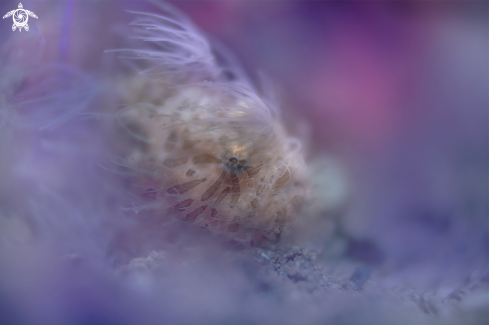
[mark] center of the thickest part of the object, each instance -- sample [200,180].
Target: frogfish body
[208,151]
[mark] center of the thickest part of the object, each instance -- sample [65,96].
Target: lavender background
[393,95]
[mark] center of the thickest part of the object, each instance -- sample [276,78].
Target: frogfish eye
[233,160]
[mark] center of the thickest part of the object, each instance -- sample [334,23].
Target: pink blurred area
[398,91]
[362,73]
[360,69]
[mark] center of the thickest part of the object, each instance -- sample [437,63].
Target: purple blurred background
[395,92]
[398,91]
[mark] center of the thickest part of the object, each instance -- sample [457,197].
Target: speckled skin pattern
[209,152]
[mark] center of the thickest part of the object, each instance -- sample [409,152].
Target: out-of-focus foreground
[390,101]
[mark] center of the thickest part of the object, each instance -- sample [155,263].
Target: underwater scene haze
[244,162]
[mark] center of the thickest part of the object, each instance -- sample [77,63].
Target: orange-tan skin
[200,165]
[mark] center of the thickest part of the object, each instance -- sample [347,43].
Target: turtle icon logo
[20,17]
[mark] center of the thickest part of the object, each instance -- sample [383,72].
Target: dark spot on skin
[252,171]
[281,217]
[223,195]
[223,140]
[254,203]
[251,216]
[188,144]
[259,189]
[281,181]
[206,158]
[179,207]
[193,215]
[172,163]
[171,141]
[235,188]
[213,188]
